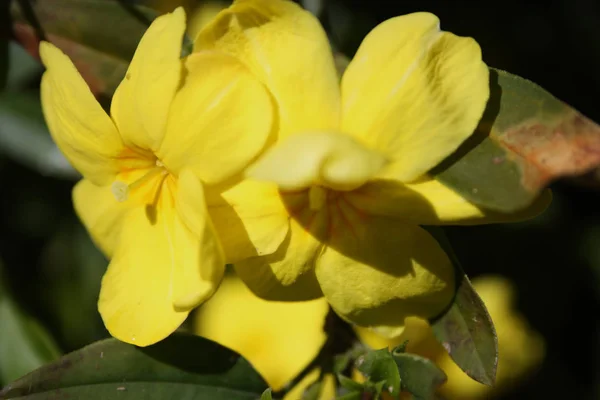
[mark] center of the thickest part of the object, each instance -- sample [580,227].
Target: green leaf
[526,139]
[379,366]
[466,331]
[180,367]
[267,395]
[349,384]
[420,376]
[99,36]
[351,396]
[24,344]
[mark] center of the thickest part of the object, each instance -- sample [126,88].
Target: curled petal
[329,159]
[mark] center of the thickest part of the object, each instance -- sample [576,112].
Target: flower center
[121,189]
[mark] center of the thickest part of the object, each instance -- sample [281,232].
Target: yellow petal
[140,105]
[159,271]
[101,214]
[288,274]
[202,14]
[202,265]
[414,92]
[79,126]
[220,119]
[279,339]
[329,159]
[429,202]
[378,272]
[287,49]
[250,219]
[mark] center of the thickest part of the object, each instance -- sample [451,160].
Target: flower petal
[288,274]
[264,332]
[414,92]
[78,124]
[429,202]
[141,103]
[378,272]
[220,119]
[101,214]
[287,49]
[250,219]
[329,159]
[203,266]
[160,270]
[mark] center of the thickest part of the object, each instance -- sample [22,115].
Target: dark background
[52,270]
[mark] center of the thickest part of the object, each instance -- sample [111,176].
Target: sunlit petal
[82,130]
[220,119]
[141,103]
[414,92]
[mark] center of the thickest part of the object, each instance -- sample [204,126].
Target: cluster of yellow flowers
[253,151]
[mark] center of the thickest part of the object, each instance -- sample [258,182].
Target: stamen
[317,196]
[121,190]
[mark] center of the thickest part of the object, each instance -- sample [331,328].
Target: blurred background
[50,271]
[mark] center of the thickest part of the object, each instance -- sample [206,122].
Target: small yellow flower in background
[175,126]
[280,339]
[334,205]
[521,349]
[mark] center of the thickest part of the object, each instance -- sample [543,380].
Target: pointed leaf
[420,376]
[466,331]
[181,366]
[526,139]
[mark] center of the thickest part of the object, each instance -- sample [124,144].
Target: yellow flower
[175,125]
[335,204]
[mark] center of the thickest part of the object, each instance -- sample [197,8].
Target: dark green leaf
[24,344]
[379,366]
[349,384]
[466,331]
[99,36]
[420,376]
[180,367]
[526,139]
